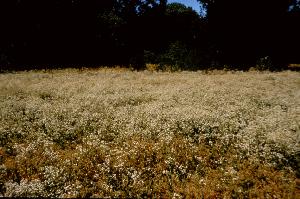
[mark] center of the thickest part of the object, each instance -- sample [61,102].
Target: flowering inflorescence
[125,133]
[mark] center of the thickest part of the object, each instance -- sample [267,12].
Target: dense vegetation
[64,33]
[67,130]
[116,133]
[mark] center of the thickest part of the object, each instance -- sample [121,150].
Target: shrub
[264,63]
[152,67]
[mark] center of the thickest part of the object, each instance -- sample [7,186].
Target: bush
[152,67]
[264,63]
[150,57]
[175,56]
[180,57]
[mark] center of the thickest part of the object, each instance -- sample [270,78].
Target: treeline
[252,32]
[77,33]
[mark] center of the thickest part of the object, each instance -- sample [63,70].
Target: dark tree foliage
[245,31]
[63,33]
[47,33]
[86,33]
[186,44]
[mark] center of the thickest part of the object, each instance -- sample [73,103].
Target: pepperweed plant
[121,133]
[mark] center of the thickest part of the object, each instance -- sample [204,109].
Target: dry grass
[118,133]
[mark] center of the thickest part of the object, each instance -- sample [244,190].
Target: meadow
[121,133]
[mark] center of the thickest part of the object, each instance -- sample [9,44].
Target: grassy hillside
[68,133]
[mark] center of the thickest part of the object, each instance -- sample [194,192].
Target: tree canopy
[59,33]
[245,31]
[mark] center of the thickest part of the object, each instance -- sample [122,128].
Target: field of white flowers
[120,133]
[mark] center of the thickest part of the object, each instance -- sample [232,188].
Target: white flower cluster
[104,119]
